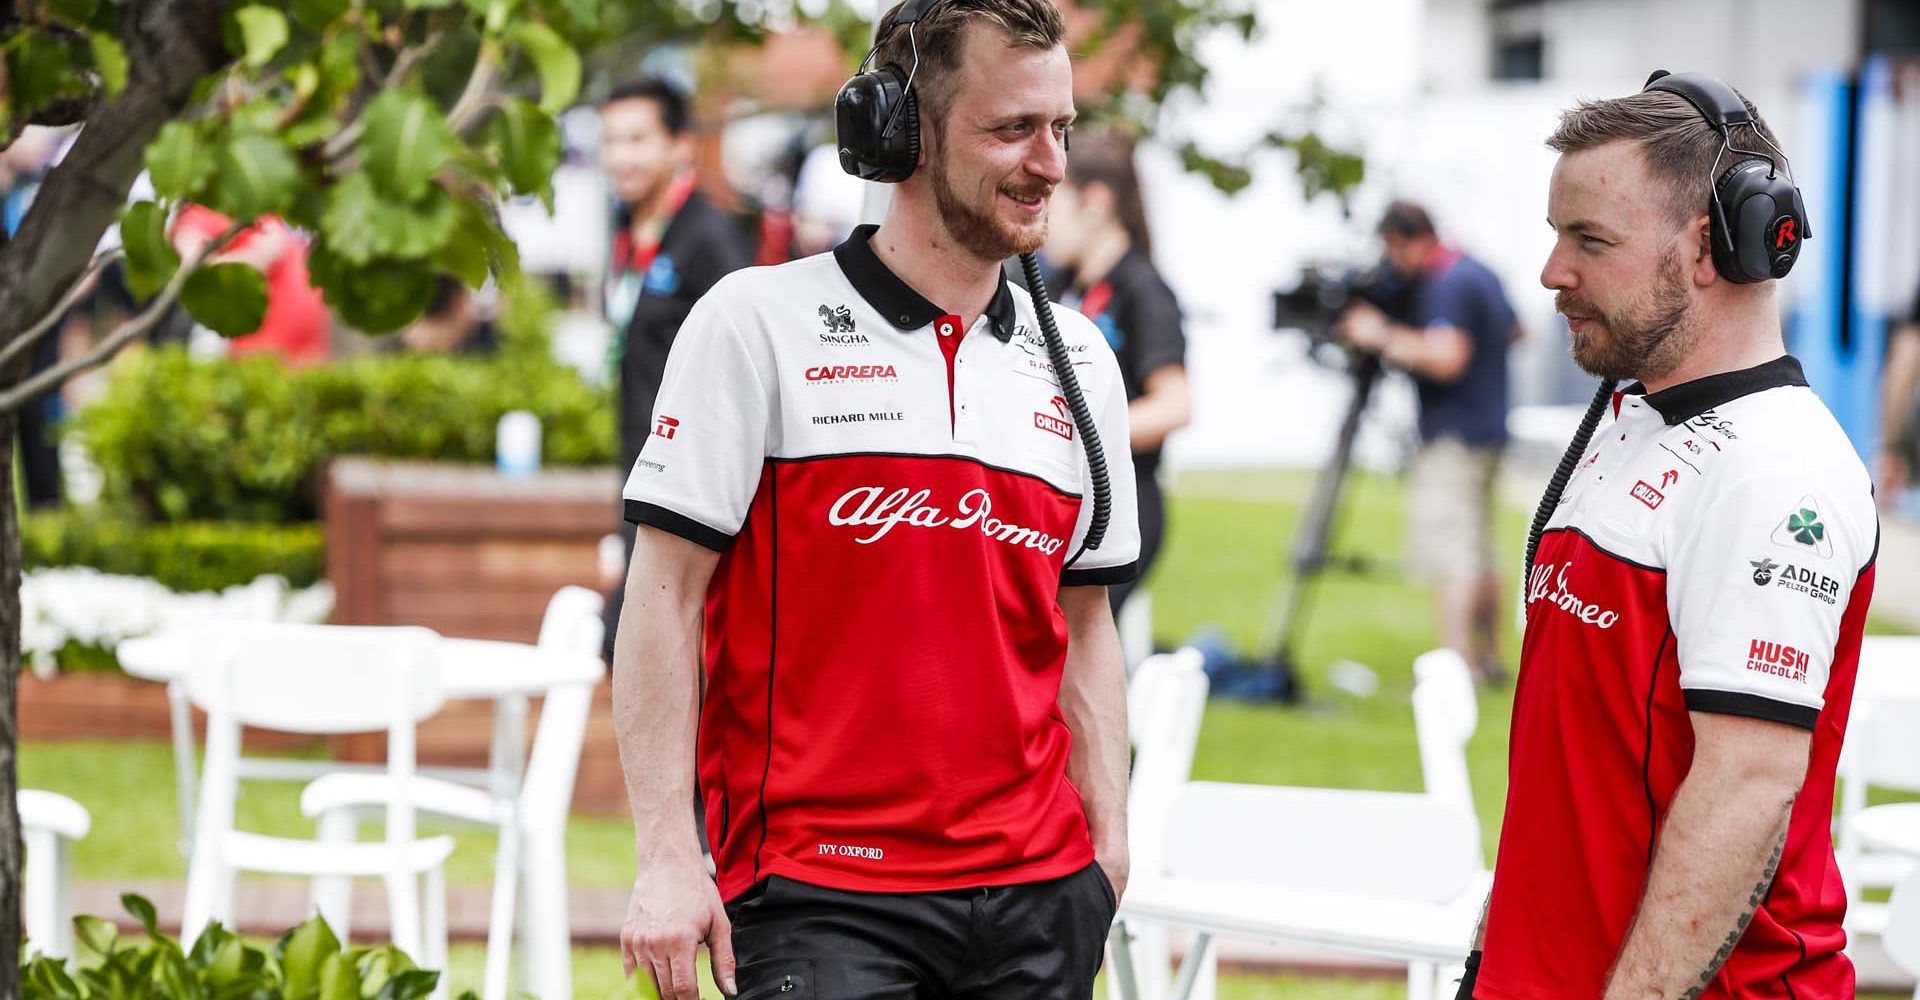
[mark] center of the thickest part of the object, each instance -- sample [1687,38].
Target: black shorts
[1036,941]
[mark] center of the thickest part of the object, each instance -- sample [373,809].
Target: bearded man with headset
[1697,589]
[868,556]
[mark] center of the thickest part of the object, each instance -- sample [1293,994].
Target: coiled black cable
[1077,403]
[1558,484]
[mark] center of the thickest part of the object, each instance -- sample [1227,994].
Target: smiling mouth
[1030,201]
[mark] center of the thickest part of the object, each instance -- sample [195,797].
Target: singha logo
[838,319]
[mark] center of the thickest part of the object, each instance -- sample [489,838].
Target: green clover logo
[1805,527]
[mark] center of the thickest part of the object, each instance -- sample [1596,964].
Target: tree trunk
[9,726]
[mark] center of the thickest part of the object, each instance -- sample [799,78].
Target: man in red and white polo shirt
[860,562]
[1694,613]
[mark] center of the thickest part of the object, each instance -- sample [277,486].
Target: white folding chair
[1166,703]
[1882,750]
[319,679]
[48,823]
[532,822]
[1901,937]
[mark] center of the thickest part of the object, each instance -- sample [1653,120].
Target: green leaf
[110,60]
[556,62]
[74,13]
[339,980]
[319,14]
[256,175]
[142,911]
[466,256]
[41,67]
[377,297]
[231,300]
[405,141]
[263,31]
[340,64]
[98,935]
[360,224]
[528,144]
[229,960]
[151,261]
[302,953]
[408,984]
[180,161]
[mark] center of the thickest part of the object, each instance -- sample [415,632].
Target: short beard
[1647,339]
[978,231]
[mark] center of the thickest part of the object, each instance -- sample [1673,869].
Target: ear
[1702,271]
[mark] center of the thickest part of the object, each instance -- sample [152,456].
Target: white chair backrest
[546,791]
[1902,936]
[319,678]
[54,813]
[1445,714]
[1166,702]
[572,621]
[1389,845]
[1883,733]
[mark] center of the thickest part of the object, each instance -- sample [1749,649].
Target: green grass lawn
[1225,556]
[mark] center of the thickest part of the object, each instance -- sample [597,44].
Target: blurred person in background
[297,327]
[670,247]
[1455,348]
[1900,416]
[22,165]
[1098,237]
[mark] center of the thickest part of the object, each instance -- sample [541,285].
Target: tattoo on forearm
[1758,896]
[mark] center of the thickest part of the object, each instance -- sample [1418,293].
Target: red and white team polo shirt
[896,501]
[1713,553]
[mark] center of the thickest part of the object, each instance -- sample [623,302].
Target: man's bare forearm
[656,691]
[1093,699]
[1712,869]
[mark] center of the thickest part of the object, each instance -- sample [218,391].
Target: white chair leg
[333,894]
[1420,981]
[186,774]
[41,879]
[1207,985]
[403,913]
[434,927]
[546,934]
[506,878]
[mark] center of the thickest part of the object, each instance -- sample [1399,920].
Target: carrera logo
[1551,586]
[664,427]
[874,507]
[1648,495]
[1777,660]
[851,373]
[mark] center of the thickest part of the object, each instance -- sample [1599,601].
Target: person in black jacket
[1098,236]
[670,246]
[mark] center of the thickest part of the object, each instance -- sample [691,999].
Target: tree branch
[59,311]
[122,335]
[476,97]
[403,64]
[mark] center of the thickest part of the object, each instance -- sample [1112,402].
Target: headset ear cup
[912,113]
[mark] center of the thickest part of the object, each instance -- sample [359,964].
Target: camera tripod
[1312,542]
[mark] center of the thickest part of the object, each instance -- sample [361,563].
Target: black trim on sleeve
[1100,576]
[674,522]
[1752,706]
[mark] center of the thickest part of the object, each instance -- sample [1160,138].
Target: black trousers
[1037,941]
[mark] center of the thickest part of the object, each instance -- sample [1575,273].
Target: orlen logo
[1055,424]
[1648,495]
[874,507]
[1551,587]
[851,373]
[1777,660]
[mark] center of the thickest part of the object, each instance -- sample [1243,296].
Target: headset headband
[1716,102]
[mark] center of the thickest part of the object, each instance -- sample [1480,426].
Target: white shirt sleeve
[702,463]
[1117,559]
[1757,588]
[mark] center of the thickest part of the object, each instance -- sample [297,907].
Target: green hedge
[189,555]
[245,440]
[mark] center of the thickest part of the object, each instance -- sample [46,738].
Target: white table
[507,672]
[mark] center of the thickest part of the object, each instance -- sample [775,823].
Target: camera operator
[1454,345]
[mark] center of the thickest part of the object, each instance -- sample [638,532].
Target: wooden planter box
[113,706]
[468,552]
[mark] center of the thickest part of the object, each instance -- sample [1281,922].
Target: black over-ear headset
[1757,223]
[877,118]
[1757,217]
